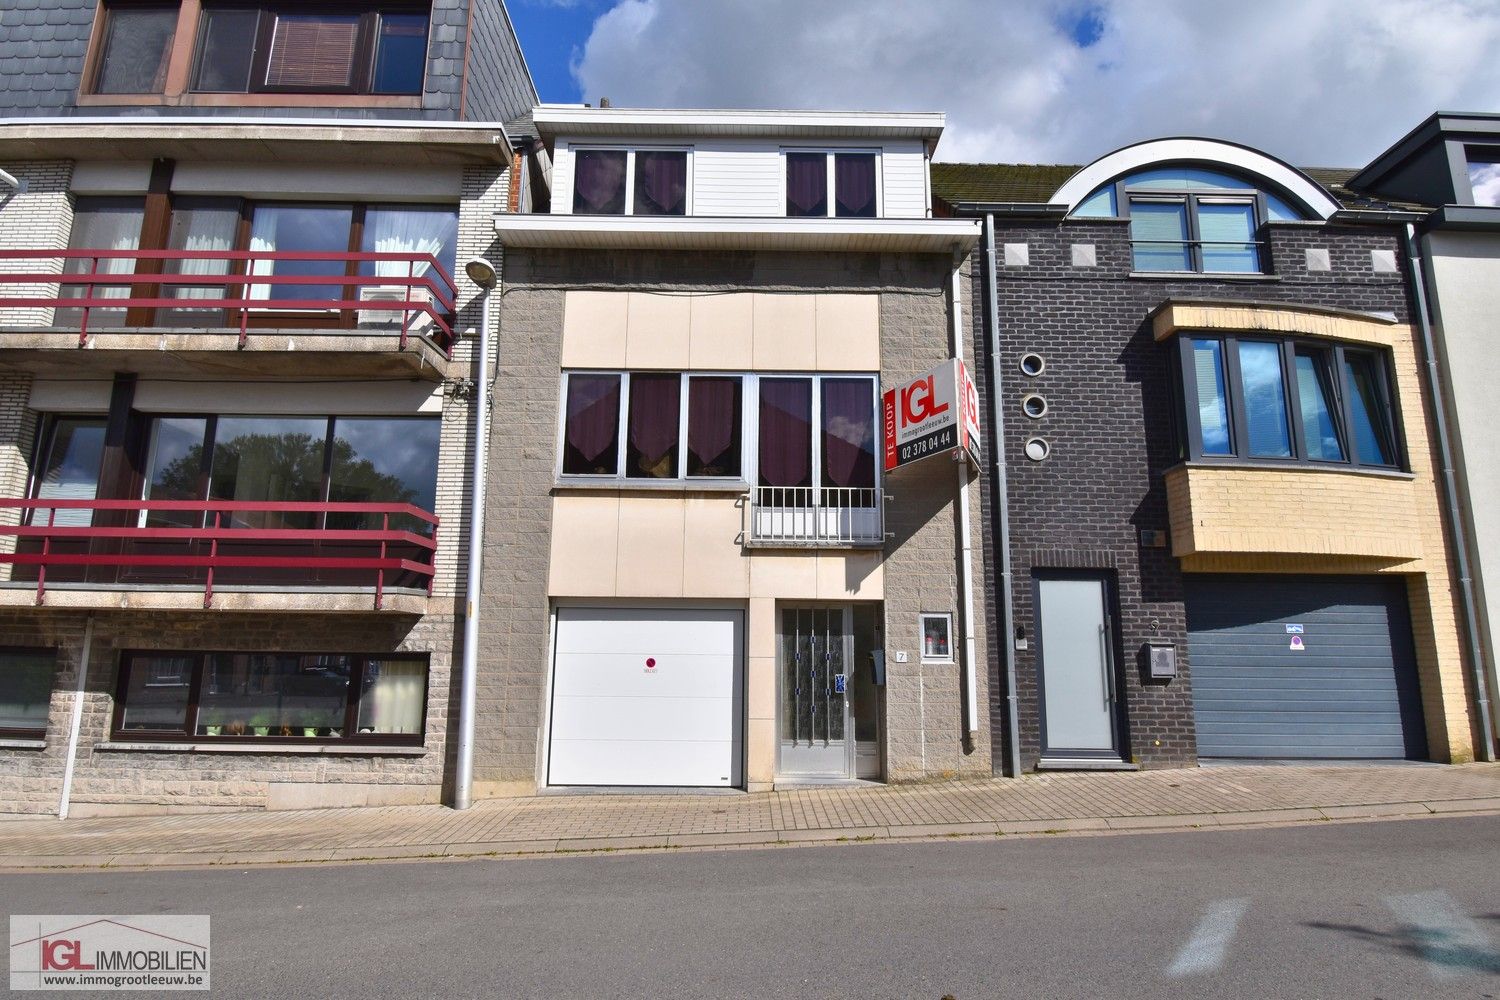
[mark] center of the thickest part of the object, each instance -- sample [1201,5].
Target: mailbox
[1161,661]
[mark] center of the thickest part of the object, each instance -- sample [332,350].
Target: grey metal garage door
[1303,667]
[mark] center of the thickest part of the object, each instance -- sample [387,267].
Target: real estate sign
[932,414]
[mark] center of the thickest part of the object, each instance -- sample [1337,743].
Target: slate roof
[1035,183]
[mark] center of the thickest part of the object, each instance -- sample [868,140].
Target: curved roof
[1288,180]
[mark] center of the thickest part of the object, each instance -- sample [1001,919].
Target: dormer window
[1484,175]
[137,42]
[1190,219]
[355,48]
[851,177]
[616,181]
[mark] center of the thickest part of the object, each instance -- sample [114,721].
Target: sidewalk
[1036,804]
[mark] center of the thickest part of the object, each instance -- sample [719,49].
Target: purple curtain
[593,422]
[599,182]
[806,184]
[655,402]
[848,433]
[854,185]
[660,183]
[713,427]
[785,432]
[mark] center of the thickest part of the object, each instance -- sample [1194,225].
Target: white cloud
[1312,81]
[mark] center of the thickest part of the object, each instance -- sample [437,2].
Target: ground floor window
[25,691]
[286,697]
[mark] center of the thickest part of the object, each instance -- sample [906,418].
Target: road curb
[748,839]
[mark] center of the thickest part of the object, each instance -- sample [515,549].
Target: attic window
[137,44]
[1484,176]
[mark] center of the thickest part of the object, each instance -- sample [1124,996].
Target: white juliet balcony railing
[811,517]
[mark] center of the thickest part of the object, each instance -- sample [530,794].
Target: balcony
[180,554]
[170,312]
[805,517]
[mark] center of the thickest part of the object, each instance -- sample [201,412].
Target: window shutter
[313,51]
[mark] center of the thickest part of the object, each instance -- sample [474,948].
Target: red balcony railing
[416,290]
[201,542]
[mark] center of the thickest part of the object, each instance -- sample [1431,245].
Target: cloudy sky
[1318,82]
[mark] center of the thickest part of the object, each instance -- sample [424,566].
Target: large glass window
[101,224]
[415,229]
[1288,400]
[201,225]
[1484,176]
[272,696]
[630,181]
[306,229]
[293,459]
[26,691]
[851,176]
[663,438]
[72,455]
[374,48]
[785,431]
[136,46]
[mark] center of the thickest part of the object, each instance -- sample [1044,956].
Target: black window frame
[188,732]
[1185,392]
[18,733]
[1125,197]
[365,52]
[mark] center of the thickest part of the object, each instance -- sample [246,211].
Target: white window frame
[630,150]
[829,152]
[816,424]
[619,478]
[922,619]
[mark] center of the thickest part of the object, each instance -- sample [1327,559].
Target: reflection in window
[1316,399]
[156,692]
[137,46]
[848,433]
[70,470]
[26,690]
[1369,413]
[1213,401]
[254,694]
[1484,182]
[400,54]
[660,182]
[1265,399]
[302,228]
[269,459]
[383,460]
[225,50]
[176,469]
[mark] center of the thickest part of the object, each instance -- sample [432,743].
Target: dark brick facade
[1111,425]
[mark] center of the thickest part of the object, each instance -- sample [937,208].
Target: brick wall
[39,218]
[1111,427]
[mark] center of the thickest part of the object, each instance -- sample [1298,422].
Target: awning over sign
[932,414]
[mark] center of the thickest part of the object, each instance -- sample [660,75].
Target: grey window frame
[1126,196]
[1186,394]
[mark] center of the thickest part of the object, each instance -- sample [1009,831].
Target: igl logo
[62,955]
[919,401]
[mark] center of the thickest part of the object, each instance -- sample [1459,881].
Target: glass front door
[829,717]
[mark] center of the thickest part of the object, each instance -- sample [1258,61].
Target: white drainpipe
[966,546]
[77,724]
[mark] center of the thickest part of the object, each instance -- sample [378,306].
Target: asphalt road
[1378,910]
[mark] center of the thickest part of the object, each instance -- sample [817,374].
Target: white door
[647,697]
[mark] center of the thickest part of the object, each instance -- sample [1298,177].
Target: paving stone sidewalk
[1176,799]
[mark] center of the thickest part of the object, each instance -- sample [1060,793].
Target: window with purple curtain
[591,430]
[651,448]
[854,185]
[807,184]
[660,183]
[848,432]
[713,426]
[786,432]
[599,182]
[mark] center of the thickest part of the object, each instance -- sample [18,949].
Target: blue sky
[1041,81]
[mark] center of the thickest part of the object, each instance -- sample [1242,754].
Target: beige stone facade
[1266,519]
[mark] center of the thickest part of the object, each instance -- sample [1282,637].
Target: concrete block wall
[127,781]
[39,218]
[1111,424]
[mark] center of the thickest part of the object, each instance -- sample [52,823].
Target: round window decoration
[1034,406]
[1037,449]
[1032,364]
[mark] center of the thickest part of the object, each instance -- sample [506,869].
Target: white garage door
[646,697]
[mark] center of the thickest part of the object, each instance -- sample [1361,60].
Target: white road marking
[1452,944]
[1205,950]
